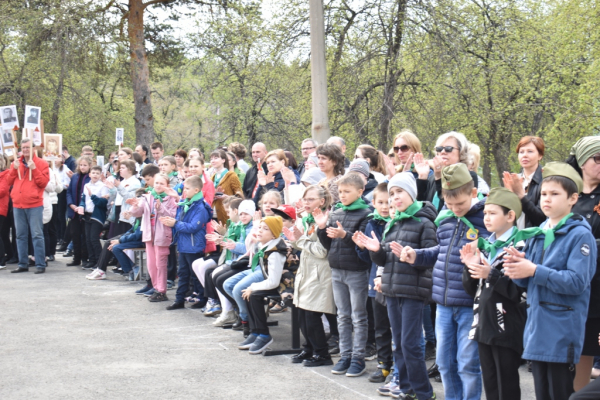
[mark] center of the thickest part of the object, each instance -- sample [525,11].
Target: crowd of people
[391,257]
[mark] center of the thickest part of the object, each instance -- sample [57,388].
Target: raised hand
[479,271]
[89,191]
[408,165]
[389,166]
[469,254]
[219,227]
[370,243]
[338,232]
[356,240]
[70,174]
[320,218]
[421,166]
[134,201]
[228,244]
[262,178]
[516,266]
[438,165]
[257,217]
[293,234]
[407,254]
[109,184]
[514,183]
[288,176]
[213,237]
[168,221]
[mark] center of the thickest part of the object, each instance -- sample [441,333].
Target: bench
[139,252]
[295,349]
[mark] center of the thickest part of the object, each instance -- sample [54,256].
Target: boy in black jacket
[349,274]
[499,313]
[406,287]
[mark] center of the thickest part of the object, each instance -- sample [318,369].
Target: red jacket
[29,193]
[4,192]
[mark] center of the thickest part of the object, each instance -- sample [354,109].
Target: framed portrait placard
[32,117]
[52,146]
[9,117]
[119,136]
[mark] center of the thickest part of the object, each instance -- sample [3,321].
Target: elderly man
[28,206]
[259,151]
[308,146]
[142,150]
[341,143]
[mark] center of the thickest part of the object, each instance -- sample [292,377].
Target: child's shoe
[388,388]
[97,275]
[357,367]
[261,344]
[143,290]
[341,367]
[246,344]
[158,296]
[317,361]
[149,292]
[213,310]
[226,318]
[380,374]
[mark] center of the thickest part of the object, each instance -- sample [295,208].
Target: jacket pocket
[555,307]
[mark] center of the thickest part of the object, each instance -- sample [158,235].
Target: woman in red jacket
[4,197]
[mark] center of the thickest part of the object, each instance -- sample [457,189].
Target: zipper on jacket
[446,266]
[566,308]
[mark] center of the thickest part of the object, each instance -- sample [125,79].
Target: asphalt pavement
[65,337]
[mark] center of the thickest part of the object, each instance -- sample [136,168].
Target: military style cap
[562,169]
[454,176]
[503,197]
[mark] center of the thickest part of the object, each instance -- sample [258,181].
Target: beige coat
[312,289]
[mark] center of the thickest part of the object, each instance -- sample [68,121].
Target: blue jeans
[234,286]
[185,274]
[350,292]
[457,355]
[428,324]
[406,321]
[122,258]
[30,219]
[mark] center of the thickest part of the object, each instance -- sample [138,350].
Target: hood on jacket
[428,211]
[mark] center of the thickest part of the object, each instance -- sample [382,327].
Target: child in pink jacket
[154,204]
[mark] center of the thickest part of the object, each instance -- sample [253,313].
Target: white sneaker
[88,276]
[2,266]
[97,275]
[226,318]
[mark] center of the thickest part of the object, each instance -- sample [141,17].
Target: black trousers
[172,263]
[500,372]
[370,321]
[61,216]
[93,229]
[105,254]
[256,311]
[77,225]
[2,239]
[383,333]
[210,290]
[552,381]
[312,329]
[219,280]
[589,392]
[50,232]
[13,231]
[333,328]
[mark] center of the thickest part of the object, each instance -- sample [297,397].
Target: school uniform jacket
[558,294]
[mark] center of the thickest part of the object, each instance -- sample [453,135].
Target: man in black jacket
[259,151]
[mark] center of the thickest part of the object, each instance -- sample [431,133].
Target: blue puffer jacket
[363,254]
[189,231]
[558,294]
[447,272]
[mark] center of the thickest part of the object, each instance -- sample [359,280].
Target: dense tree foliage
[240,70]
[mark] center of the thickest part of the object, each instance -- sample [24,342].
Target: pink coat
[163,235]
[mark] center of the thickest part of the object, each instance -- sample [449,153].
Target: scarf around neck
[187,203]
[358,204]
[400,215]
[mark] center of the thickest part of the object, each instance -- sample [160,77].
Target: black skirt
[590,341]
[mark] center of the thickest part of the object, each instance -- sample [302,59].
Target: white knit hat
[247,206]
[405,181]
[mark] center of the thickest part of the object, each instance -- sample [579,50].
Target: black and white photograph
[8,140]
[9,117]
[100,161]
[32,117]
[119,136]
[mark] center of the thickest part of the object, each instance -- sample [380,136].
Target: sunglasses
[403,148]
[447,149]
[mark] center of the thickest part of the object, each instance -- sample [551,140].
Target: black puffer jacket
[342,252]
[534,216]
[587,207]
[400,279]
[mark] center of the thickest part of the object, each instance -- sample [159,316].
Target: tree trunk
[393,72]
[140,74]
[318,71]
[53,126]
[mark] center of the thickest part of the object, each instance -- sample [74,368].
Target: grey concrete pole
[318,70]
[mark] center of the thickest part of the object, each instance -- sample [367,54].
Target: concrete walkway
[65,337]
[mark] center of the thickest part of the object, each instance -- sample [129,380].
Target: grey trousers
[350,292]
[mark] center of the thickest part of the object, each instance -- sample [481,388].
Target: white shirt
[243,165]
[98,189]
